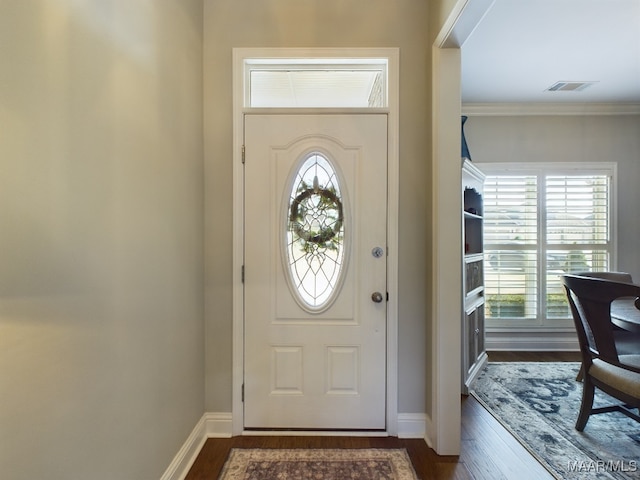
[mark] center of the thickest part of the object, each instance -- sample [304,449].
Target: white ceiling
[522,47]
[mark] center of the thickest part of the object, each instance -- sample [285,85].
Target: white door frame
[239,110]
[447,201]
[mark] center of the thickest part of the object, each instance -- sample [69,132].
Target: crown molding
[531,109]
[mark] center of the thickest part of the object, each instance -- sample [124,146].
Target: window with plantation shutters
[511,245]
[540,221]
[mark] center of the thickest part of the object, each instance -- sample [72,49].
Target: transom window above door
[316,83]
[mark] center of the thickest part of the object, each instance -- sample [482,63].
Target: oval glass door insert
[315,234]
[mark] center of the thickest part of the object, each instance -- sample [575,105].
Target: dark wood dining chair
[603,367]
[615,276]
[626,342]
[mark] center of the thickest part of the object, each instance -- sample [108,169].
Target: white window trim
[559,168]
[330,64]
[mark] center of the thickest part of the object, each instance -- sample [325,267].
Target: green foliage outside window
[512,305]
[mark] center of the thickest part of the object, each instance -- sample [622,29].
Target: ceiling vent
[569,86]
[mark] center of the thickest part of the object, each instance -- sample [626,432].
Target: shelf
[473,216]
[473,295]
[472,235]
[473,301]
[472,202]
[474,298]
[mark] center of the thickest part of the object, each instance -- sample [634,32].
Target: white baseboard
[219,425]
[211,425]
[531,341]
[184,459]
[412,425]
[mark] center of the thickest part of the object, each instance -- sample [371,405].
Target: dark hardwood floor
[488,451]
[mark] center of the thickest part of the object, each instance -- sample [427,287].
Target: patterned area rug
[321,464]
[539,404]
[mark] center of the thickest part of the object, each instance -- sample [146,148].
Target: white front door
[315,271]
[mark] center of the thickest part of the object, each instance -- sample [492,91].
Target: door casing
[239,110]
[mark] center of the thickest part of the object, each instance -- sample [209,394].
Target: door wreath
[329,205]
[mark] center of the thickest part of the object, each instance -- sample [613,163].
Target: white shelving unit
[474,355]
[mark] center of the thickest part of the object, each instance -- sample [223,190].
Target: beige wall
[330,23]
[102,205]
[601,138]
[101,213]
[101,253]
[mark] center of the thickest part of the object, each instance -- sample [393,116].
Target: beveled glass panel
[315,233]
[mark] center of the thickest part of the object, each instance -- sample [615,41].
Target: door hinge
[242,274]
[242,153]
[242,393]
[387,296]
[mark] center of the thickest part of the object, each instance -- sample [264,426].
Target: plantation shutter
[510,240]
[577,229]
[538,226]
